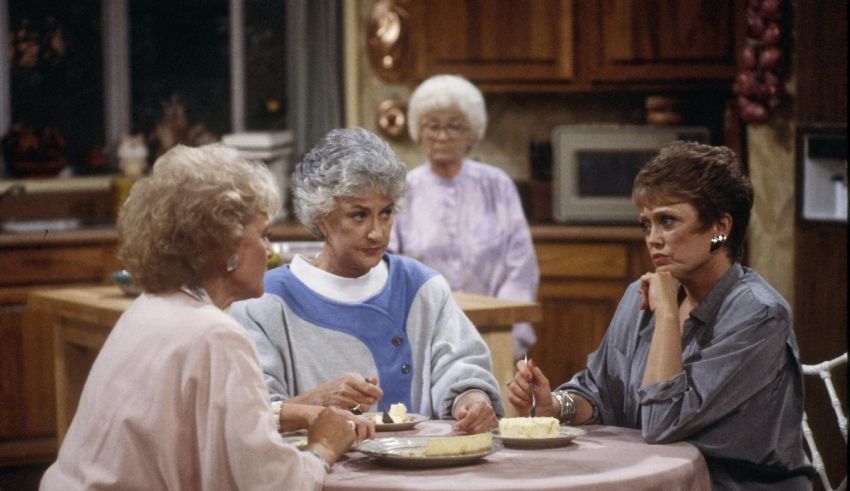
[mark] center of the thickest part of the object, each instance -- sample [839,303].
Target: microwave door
[595,166]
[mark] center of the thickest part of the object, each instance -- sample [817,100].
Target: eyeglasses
[454,129]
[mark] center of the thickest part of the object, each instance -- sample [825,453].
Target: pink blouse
[176,400]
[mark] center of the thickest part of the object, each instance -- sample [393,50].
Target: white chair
[824,371]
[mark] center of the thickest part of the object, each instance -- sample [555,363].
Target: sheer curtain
[314,75]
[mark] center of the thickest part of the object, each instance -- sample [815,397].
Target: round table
[607,457]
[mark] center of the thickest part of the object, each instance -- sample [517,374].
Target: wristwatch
[567,404]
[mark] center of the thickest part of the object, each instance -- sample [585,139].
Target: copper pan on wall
[388,42]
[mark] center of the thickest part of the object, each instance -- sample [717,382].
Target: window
[85,73]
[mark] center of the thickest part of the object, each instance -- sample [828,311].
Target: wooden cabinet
[661,40]
[584,273]
[578,45]
[27,388]
[494,40]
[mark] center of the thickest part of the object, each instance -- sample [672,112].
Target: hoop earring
[716,242]
[232,264]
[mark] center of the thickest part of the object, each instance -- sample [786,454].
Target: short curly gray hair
[347,163]
[179,225]
[447,91]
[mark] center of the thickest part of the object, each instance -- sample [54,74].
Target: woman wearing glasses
[462,217]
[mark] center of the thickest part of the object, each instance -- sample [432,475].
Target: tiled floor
[21,478]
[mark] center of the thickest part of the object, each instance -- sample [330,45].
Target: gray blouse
[739,398]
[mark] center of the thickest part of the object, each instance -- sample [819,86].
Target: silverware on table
[385,416]
[533,411]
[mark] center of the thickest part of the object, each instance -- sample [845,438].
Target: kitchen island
[82,318]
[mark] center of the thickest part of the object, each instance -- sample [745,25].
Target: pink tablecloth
[606,457]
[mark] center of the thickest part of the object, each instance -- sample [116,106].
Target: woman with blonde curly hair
[176,399]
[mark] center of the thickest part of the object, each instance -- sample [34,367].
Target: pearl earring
[232,264]
[716,242]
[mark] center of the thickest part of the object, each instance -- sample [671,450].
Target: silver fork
[385,416]
[533,411]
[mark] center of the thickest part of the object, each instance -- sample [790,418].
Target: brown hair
[707,177]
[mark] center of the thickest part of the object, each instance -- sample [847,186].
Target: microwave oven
[594,167]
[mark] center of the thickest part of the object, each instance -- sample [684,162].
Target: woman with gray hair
[355,325]
[464,218]
[175,398]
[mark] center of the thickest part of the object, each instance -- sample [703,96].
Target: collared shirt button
[397,341]
[405,368]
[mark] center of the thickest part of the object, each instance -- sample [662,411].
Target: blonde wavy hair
[180,224]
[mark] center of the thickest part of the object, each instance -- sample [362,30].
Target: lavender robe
[471,229]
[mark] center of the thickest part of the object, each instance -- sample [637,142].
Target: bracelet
[567,404]
[276,408]
[324,462]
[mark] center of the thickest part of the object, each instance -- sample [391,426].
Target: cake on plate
[458,445]
[539,427]
[398,412]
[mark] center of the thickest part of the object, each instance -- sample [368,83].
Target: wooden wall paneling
[820,318]
[820,61]
[820,256]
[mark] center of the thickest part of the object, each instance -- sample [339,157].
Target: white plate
[41,226]
[415,419]
[407,452]
[566,434]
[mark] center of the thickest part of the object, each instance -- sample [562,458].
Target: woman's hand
[660,295]
[332,433]
[659,290]
[474,413]
[347,392]
[519,393]
[294,416]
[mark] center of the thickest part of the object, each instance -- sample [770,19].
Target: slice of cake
[398,413]
[458,445]
[542,427]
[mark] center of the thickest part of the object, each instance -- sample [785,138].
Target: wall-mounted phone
[824,173]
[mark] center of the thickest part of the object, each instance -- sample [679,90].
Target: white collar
[338,288]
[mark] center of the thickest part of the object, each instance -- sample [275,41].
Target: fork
[531,386]
[385,416]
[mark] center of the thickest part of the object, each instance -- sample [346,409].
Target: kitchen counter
[294,231]
[552,232]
